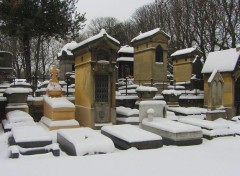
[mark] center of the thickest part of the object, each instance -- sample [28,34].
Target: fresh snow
[30,134]
[93,38]
[212,75]
[128,119]
[68,48]
[127,59]
[203,123]
[127,111]
[146,88]
[8,126]
[171,92]
[87,141]
[58,123]
[59,102]
[169,125]
[12,90]
[183,110]
[18,116]
[147,34]
[183,51]
[130,133]
[224,61]
[197,160]
[126,49]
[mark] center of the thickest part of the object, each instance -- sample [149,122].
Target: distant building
[150,56]
[125,62]
[227,62]
[186,64]
[66,60]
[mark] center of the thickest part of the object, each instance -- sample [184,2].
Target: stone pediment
[215,90]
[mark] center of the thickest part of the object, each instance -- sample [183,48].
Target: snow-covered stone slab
[210,128]
[128,120]
[173,133]
[18,116]
[184,111]
[16,151]
[30,136]
[7,126]
[127,136]
[234,126]
[126,112]
[84,141]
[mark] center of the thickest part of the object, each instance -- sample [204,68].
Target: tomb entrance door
[102,98]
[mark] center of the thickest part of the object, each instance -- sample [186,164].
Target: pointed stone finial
[54,73]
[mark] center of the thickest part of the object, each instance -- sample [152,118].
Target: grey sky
[120,9]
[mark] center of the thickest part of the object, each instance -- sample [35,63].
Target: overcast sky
[120,9]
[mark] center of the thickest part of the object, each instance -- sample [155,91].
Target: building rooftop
[224,61]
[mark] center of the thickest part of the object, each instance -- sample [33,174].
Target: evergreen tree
[27,19]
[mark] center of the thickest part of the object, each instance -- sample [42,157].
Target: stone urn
[145,92]
[54,89]
[16,95]
[171,97]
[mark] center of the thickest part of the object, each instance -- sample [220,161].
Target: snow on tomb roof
[148,34]
[101,34]
[215,71]
[224,61]
[68,48]
[12,90]
[126,49]
[128,59]
[183,51]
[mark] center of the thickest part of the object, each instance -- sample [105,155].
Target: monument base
[59,124]
[215,114]
[17,106]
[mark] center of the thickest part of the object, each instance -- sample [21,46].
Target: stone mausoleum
[95,77]
[227,62]
[150,56]
[187,63]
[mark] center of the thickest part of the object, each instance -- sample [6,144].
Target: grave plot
[173,133]
[152,118]
[127,115]
[210,129]
[28,140]
[185,111]
[17,118]
[84,141]
[127,136]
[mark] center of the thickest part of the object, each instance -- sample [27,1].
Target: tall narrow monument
[95,77]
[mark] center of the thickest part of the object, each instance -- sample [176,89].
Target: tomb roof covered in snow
[145,35]
[224,61]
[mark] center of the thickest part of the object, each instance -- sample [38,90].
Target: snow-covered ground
[217,157]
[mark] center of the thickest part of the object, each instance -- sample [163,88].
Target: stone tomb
[152,119]
[28,140]
[58,111]
[127,136]
[95,71]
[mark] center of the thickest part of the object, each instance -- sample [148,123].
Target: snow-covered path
[218,157]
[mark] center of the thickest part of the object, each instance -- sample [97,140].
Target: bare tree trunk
[27,58]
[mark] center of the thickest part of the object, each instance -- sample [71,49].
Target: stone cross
[54,72]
